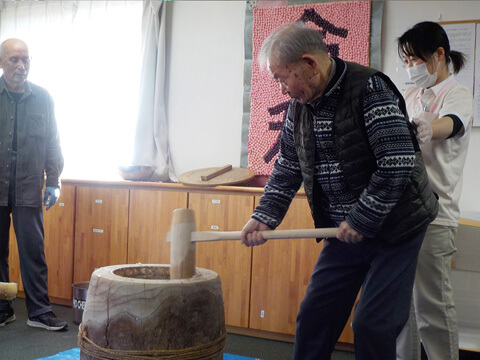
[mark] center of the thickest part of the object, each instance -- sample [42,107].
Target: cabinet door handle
[98,231]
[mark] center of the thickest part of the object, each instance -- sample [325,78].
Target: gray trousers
[28,226]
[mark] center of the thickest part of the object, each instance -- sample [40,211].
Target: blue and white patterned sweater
[386,129]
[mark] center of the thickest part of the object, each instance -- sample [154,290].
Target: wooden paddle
[225,175]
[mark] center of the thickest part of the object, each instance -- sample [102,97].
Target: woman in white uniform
[440,110]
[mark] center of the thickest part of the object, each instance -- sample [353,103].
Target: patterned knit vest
[418,205]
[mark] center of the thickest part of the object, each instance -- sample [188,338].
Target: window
[87,55]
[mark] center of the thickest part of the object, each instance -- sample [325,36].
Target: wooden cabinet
[230,259]
[281,271]
[59,232]
[150,217]
[101,228]
[96,225]
[59,229]
[13,260]
[347,334]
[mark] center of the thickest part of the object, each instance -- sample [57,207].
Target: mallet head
[182,249]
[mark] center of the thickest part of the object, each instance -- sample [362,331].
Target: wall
[205,83]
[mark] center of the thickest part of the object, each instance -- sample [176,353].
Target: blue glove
[51,196]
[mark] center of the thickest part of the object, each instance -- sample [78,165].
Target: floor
[21,342]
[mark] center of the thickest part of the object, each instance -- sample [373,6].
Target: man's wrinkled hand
[250,235]
[346,234]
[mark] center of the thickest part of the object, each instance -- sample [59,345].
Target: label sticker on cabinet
[98,231]
[262,313]
[214,227]
[215,201]
[98,201]
[61,204]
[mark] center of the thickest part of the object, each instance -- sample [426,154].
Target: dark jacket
[38,145]
[418,205]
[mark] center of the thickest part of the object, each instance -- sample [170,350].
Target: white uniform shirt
[445,158]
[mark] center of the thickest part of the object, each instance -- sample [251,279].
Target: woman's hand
[424,131]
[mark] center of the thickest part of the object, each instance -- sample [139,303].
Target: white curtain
[151,138]
[87,54]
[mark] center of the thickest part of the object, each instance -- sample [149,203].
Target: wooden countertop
[469,222]
[167,186]
[188,188]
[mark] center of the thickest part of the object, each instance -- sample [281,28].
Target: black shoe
[6,317]
[48,321]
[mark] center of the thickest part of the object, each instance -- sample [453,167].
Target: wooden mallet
[8,291]
[183,237]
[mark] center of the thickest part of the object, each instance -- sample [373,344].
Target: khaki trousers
[433,318]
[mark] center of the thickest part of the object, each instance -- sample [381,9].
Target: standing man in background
[29,151]
[441,110]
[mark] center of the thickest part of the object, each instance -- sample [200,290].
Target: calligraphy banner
[346,30]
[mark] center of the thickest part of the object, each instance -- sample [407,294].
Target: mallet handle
[267,234]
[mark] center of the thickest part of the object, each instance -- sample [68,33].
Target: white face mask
[421,77]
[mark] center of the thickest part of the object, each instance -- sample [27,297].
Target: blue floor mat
[237,357]
[74,354]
